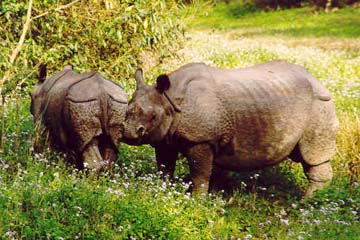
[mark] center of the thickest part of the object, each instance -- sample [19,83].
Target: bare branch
[23,35]
[16,51]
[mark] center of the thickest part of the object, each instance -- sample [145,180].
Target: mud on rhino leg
[92,157]
[166,160]
[200,159]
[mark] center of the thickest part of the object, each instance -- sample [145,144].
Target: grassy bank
[300,22]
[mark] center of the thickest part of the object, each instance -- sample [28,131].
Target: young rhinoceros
[82,114]
[240,119]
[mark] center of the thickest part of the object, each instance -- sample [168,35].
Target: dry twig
[16,51]
[56,9]
[12,60]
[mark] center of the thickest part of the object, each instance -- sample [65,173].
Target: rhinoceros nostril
[141,130]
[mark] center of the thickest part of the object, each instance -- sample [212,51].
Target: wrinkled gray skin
[239,120]
[82,114]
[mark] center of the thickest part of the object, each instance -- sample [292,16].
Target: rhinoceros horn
[139,78]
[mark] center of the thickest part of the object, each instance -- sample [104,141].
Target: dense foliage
[108,36]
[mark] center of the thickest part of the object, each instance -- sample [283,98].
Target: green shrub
[108,36]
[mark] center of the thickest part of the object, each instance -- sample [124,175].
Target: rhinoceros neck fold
[176,108]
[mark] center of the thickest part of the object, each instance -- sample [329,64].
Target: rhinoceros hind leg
[318,144]
[319,177]
[92,157]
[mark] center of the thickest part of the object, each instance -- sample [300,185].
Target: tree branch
[7,73]
[18,47]
[56,9]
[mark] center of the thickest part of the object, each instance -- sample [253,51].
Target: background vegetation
[43,198]
[109,36]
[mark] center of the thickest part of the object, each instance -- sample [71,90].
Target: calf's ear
[162,83]
[42,73]
[139,77]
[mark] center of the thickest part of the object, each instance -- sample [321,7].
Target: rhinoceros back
[83,92]
[56,89]
[92,88]
[100,104]
[181,78]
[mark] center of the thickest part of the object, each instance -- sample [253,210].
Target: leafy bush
[109,36]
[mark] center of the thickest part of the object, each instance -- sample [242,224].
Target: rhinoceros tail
[323,97]
[319,91]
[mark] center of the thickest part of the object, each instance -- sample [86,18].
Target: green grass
[43,198]
[302,22]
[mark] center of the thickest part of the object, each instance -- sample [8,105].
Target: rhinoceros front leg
[319,176]
[92,157]
[200,159]
[166,160]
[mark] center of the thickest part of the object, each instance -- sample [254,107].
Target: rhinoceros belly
[270,117]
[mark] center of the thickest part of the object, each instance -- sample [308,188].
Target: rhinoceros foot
[319,177]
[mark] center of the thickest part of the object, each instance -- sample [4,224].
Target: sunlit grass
[302,22]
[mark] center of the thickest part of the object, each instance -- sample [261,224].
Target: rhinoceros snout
[132,132]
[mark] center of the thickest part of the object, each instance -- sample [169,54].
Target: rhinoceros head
[37,95]
[149,114]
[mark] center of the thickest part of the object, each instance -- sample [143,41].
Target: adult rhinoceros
[82,114]
[239,119]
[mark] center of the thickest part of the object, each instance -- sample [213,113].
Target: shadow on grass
[277,183]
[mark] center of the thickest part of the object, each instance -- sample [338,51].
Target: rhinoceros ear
[162,83]
[139,77]
[42,73]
